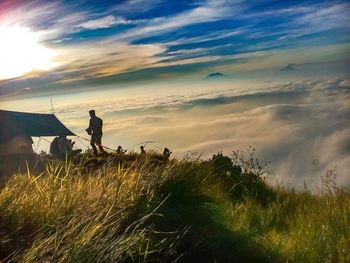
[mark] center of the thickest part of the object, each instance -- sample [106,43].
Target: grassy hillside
[146,209]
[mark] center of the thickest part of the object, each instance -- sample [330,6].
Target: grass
[145,209]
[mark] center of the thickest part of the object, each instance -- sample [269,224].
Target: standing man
[95,130]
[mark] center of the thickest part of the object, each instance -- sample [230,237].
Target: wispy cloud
[326,18]
[136,6]
[211,10]
[107,57]
[104,22]
[309,19]
[206,37]
[50,19]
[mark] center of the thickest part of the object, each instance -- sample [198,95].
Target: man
[65,147]
[142,150]
[166,153]
[95,130]
[54,147]
[120,150]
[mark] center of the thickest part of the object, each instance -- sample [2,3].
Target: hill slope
[146,208]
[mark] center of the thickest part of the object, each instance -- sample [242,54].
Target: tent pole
[53,112]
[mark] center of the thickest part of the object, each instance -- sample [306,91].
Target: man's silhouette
[142,149]
[120,150]
[61,147]
[95,130]
[166,153]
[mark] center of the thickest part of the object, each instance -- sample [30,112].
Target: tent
[18,128]
[31,124]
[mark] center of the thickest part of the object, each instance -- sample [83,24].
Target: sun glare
[21,52]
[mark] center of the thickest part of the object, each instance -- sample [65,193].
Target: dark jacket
[95,126]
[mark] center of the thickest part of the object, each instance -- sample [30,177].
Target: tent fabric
[30,124]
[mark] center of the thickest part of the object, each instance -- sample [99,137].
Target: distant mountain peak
[215,75]
[288,68]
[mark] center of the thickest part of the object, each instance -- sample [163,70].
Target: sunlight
[21,52]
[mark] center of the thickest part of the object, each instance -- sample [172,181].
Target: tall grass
[133,209]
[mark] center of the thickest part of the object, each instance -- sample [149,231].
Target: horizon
[194,76]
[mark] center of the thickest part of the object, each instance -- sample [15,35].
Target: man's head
[92,113]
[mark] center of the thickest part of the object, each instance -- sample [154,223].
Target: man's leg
[99,143]
[92,143]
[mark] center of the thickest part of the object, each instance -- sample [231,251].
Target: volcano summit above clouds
[288,68]
[215,75]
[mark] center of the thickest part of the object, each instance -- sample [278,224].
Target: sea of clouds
[302,127]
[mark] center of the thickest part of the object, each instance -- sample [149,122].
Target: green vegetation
[145,209]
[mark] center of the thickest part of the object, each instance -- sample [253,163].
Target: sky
[144,66]
[65,43]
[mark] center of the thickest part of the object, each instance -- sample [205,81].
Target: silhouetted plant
[249,163]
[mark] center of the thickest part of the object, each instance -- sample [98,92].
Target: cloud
[88,61]
[206,37]
[108,57]
[44,18]
[301,126]
[104,22]
[210,10]
[335,15]
[136,6]
[294,132]
[278,58]
[304,18]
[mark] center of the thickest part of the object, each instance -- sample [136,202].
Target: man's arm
[89,129]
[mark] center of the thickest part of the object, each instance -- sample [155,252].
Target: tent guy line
[111,149]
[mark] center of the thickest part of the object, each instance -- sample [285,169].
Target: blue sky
[93,40]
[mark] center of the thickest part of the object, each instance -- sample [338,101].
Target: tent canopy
[30,124]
